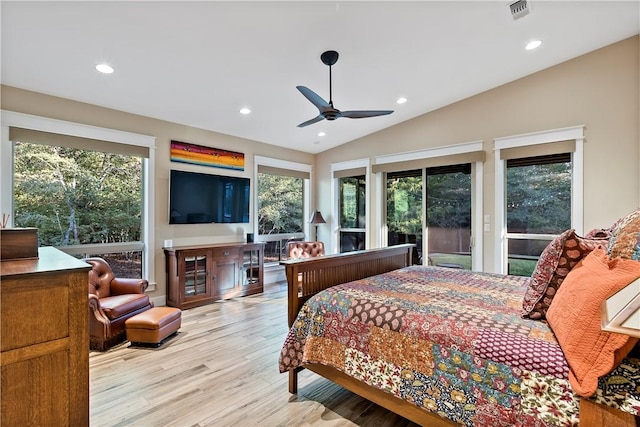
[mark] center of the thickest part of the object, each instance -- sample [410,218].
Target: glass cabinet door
[250,267]
[195,275]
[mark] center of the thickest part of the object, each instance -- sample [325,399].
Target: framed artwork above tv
[184,152]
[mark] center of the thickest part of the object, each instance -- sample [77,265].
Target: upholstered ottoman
[151,327]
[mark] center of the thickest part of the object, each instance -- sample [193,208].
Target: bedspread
[450,341]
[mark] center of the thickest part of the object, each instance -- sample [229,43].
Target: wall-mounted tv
[198,198]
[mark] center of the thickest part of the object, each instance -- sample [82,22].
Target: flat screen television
[199,198]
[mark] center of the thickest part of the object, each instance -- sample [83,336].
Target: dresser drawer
[226,253]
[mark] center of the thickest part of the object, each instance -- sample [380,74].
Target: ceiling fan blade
[313,97]
[312,121]
[364,113]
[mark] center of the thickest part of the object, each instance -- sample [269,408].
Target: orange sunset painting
[206,156]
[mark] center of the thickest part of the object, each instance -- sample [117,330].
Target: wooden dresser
[44,339]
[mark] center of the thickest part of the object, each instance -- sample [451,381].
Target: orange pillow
[574,317]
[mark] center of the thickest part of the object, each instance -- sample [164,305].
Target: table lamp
[316,219]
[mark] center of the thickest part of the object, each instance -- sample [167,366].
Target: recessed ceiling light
[533,44]
[321,133]
[401,100]
[104,68]
[245,110]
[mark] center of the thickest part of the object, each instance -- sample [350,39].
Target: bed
[439,346]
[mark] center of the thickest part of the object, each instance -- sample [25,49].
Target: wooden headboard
[307,277]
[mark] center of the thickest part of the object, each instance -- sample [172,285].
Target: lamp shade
[621,311]
[317,218]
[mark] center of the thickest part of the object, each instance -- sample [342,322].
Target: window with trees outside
[448,213]
[281,209]
[86,202]
[352,212]
[404,209]
[538,207]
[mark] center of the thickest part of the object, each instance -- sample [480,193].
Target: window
[77,197]
[352,211]
[539,182]
[282,205]
[88,190]
[538,207]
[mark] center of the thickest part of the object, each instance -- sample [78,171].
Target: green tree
[352,192]
[539,198]
[449,200]
[77,196]
[280,204]
[404,205]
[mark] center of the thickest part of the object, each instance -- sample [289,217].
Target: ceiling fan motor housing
[329,57]
[331,115]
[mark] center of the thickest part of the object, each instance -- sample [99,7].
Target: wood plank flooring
[221,370]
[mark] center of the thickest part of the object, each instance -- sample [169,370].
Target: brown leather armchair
[300,250]
[112,301]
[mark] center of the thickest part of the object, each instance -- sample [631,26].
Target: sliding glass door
[448,216]
[404,209]
[352,212]
[446,223]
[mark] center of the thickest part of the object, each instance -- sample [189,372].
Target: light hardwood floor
[221,370]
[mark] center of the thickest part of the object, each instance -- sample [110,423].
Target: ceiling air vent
[519,9]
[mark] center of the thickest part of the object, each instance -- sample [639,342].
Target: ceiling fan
[327,110]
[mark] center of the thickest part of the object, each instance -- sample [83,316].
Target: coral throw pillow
[573,248]
[625,237]
[574,317]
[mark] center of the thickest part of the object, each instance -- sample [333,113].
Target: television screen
[197,198]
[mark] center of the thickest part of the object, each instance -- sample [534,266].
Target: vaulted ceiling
[199,62]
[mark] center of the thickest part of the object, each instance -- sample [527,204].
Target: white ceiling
[197,63]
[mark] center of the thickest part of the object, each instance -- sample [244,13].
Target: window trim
[575,133]
[46,124]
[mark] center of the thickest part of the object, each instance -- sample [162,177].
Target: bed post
[293,380]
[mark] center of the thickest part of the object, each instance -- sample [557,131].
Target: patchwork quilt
[452,342]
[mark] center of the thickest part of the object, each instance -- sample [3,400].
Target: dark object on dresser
[18,243]
[112,301]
